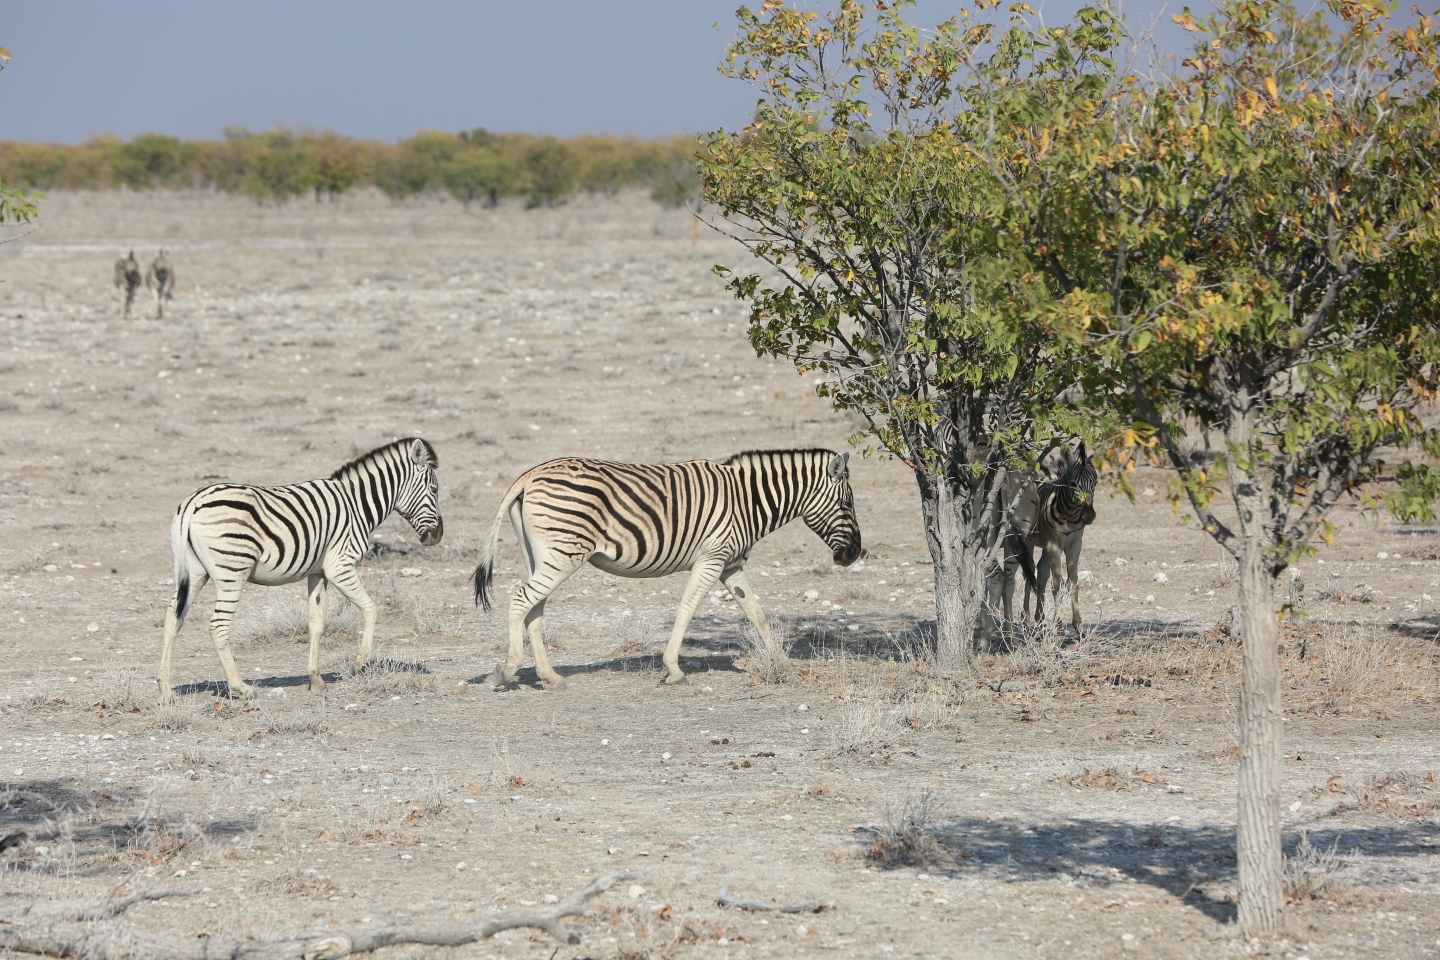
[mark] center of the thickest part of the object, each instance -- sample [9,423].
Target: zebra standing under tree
[643,520]
[160,278]
[127,279]
[314,531]
[1064,510]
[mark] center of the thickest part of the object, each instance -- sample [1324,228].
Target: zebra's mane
[798,452]
[379,452]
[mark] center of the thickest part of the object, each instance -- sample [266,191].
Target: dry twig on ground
[725,900]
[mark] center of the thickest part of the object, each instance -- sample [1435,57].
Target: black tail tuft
[484,578]
[182,596]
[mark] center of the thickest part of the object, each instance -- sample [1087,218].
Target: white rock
[802,708]
[1149,598]
[51,568]
[1161,578]
[1295,807]
[810,595]
[551,898]
[1174,788]
[461,865]
[665,755]
[636,891]
[93,628]
[409,572]
[1086,578]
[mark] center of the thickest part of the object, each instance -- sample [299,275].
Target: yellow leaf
[4,54]
[1271,89]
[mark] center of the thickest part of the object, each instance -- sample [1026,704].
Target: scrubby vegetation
[279,164]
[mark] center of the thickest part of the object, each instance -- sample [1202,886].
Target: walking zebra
[1064,509]
[644,520]
[160,278]
[314,531]
[127,279]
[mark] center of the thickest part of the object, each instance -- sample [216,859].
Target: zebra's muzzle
[431,536]
[846,554]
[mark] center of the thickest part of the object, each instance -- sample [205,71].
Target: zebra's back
[635,520]
[281,534]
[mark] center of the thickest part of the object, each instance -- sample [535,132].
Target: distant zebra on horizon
[1064,508]
[651,520]
[314,531]
[127,279]
[160,278]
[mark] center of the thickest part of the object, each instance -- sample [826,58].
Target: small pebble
[636,891]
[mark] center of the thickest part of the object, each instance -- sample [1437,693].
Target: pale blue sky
[382,70]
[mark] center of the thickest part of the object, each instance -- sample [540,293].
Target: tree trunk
[960,563]
[1258,849]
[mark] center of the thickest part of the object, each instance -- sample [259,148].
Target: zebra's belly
[270,575]
[621,568]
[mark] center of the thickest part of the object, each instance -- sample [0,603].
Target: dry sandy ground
[1083,808]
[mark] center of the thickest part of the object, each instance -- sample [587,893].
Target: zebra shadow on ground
[1419,628]
[1193,864]
[372,673]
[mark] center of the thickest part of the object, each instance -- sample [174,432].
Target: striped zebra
[314,531]
[1064,509]
[644,520]
[127,280]
[160,278]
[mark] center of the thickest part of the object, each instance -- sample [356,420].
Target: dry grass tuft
[286,619]
[906,838]
[859,727]
[768,664]
[389,673]
[1313,873]
[1112,779]
[1393,793]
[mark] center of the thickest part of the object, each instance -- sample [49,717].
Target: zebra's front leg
[315,584]
[739,586]
[342,575]
[227,597]
[1072,567]
[702,577]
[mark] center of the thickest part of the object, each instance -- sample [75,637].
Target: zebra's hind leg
[702,577]
[315,584]
[535,630]
[198,578]
[227,597]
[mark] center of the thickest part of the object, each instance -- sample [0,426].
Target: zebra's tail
[180,549]
[484,576]
[1022,552]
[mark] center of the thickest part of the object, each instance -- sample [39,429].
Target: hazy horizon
[378,71]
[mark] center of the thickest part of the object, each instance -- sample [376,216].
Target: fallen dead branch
[725,900]
[58,929]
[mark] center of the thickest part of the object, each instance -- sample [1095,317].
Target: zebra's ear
[1081,452]
[837,468]
[419,452]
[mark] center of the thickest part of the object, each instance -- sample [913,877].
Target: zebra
[1064,509]
[651,520]
[127,279]
[1020,502]
[160,278]
[314,531]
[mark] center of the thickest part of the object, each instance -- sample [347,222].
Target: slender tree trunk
[1258,848]
[959,570]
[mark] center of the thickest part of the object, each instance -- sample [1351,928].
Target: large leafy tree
[1251,248]
[859,186]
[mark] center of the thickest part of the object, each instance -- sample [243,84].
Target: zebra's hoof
[676,678]
[355,668]
[317,683]
[242,691]
[557,684]
[504,676]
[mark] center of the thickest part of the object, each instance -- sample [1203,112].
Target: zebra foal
[314,531]
[127,280]
[648,520]
[160,278]
[1063,509]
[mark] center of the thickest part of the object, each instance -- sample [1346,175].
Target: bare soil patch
[1062,799]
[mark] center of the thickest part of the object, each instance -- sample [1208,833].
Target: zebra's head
[419,499]
[1080,477]
[831,513]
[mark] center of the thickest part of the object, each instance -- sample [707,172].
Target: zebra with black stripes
[647,520]
[1064,508]
[314,531]
[127,281]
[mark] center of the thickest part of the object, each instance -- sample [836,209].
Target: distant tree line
[473,166]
